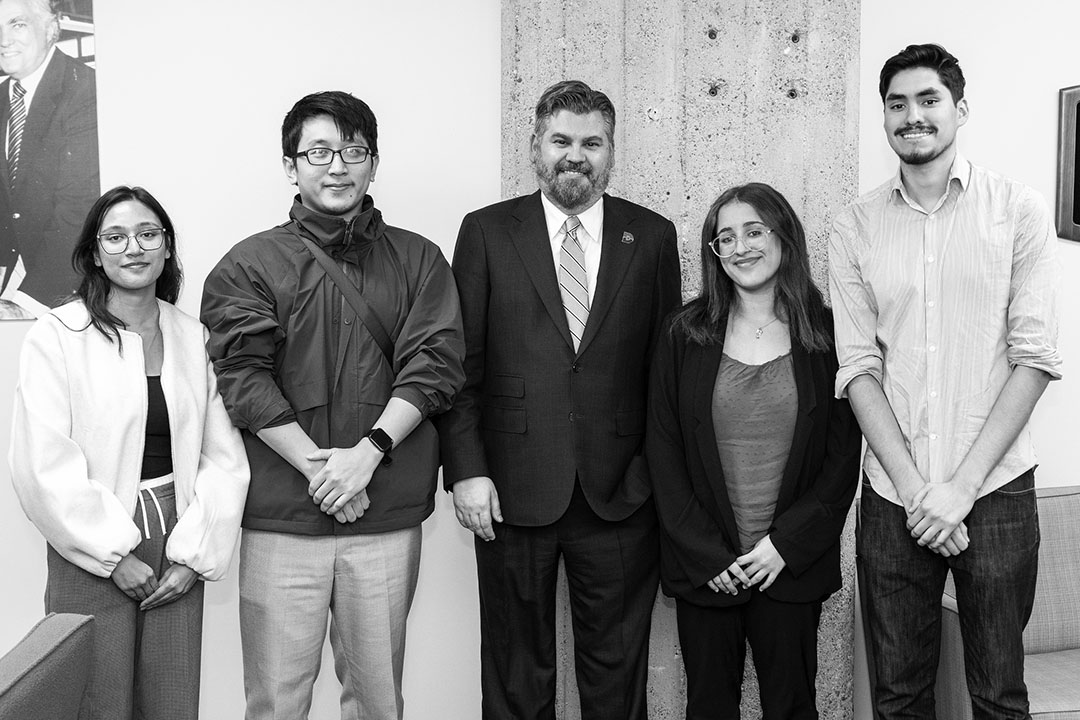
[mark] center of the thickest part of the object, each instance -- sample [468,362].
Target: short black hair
[930,56]
[578,98]
[350,114]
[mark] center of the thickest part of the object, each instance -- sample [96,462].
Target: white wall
[1015,58]
[182,84]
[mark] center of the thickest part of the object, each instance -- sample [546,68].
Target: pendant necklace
[757,335]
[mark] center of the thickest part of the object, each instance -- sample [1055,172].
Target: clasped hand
[936,514]
[761,565]
[137,580]
[339,488]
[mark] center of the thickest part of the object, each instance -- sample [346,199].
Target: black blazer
[533,414]
[58,178]
[699,538]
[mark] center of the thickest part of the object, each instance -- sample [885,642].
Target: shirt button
[933,393]
[571,417]
[348,321]
[932,348]
[15,216]
[933,436]
[929,258]
[930,303]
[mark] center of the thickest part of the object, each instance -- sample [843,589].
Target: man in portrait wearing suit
[49,167]
[562,292]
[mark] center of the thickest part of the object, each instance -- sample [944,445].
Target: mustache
[569,166]
[918,127]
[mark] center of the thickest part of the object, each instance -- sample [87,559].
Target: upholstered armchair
[1052,637]
[44,676]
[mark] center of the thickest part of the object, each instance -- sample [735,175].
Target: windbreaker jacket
[699,538]
[287,347]
[78,434]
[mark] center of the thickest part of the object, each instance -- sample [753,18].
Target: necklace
[757,335]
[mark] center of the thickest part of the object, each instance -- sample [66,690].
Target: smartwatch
[382,442]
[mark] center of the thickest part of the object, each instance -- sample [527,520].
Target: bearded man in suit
[49,167]
[563,292]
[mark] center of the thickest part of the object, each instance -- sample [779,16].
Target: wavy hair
[798,301]
[95,286]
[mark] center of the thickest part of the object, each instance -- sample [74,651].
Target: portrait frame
[1068,186]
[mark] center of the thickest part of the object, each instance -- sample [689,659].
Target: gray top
[754,409]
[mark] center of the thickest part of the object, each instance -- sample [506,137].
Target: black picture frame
[1068,184]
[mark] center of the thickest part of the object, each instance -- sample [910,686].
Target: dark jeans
[995,587]
[783,639]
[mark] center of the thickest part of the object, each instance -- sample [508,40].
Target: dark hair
[930,56]
[578,98]
[95,285]
[798,301]
[351,115]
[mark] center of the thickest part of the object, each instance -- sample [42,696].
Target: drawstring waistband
[148,486]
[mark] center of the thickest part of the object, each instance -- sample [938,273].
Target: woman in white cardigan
[123,456]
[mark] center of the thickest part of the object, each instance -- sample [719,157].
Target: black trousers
[783,638]
[612,571]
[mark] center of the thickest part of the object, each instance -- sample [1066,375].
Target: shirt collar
[959,175]
[30,82]
[591,219]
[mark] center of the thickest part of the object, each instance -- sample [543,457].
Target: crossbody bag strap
[352,296]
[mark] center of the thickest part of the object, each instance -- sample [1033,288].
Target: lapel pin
[627,238]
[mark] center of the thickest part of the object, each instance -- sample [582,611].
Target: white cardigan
[78,434]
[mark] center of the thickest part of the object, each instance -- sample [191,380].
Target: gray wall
[708,95]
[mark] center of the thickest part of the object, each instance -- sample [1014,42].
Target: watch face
[380,439]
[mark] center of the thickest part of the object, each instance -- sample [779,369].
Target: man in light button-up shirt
[944,282]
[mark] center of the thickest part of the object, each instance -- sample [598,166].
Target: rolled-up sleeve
[238,308]
[430,349]
[854,308]
[1033,289]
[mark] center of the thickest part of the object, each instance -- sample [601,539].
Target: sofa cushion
[1055,621]
[1053,681]
[44,676]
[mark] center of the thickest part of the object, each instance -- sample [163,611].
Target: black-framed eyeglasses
[114,243]
[351,155]
[754,238]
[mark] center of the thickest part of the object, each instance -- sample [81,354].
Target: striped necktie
[573,280]
[16,123]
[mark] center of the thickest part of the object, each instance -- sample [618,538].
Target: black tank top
[157,455]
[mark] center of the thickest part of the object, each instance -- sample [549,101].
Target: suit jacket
[534,415]
[57,180]
[699,538]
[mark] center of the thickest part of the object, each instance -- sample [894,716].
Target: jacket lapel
[42,109]
[802,365]
[615,257]
[705,431]
[533,245]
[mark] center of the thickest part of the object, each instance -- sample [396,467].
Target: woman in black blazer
[754,462]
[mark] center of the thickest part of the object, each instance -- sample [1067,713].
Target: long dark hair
[95,285]
[798,301]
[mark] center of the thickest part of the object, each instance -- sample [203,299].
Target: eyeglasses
[115,243]
[351,155]
[755,237]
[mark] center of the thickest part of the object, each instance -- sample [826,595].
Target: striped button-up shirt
[939,306]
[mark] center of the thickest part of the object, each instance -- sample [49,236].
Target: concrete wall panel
[708,95]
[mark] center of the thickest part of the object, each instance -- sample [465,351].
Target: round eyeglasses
[351,155]
[755,237]
[114,243]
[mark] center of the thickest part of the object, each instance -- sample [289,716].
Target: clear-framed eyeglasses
[351,155]
[753,238]
[114,243]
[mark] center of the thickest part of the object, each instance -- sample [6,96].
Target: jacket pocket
[500,419]
[630,422]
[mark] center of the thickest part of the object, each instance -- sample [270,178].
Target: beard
[572,193]
[921,157]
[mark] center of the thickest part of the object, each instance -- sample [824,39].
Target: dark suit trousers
[612,571]
[783,639]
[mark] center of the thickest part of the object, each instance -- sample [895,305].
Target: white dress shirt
[592,222]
